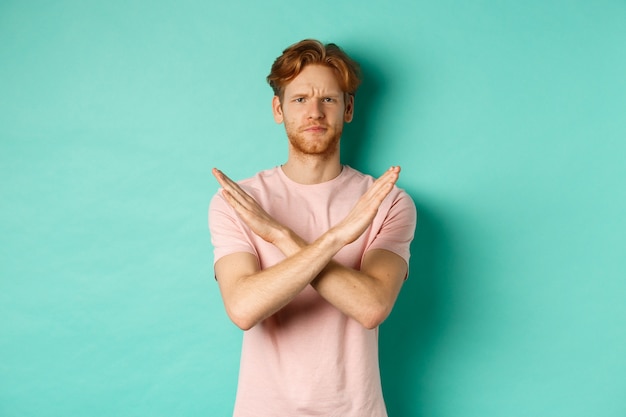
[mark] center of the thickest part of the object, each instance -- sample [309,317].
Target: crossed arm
[367,295]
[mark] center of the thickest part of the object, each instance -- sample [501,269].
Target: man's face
[314,109]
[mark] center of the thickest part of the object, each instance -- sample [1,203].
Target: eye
[299,100]
[328,100]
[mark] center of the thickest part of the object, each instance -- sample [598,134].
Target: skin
[313,110]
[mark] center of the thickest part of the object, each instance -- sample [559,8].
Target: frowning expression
[314,109]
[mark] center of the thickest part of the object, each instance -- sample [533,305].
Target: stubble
[324,146]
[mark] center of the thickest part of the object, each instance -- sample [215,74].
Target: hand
[363,213]
[257,219]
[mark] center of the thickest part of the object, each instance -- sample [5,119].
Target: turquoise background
[507,117]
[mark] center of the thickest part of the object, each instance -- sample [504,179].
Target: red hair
[310,51]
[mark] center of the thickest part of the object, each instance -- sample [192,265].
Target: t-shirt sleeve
[398,227]
[228,234]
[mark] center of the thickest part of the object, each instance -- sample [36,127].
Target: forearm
[356,294]
[251,295]
[256,296]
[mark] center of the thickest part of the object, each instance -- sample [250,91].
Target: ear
[349,108]
[277,109]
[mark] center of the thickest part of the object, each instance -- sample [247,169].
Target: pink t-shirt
[309,359]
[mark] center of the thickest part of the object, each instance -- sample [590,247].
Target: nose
[315,110]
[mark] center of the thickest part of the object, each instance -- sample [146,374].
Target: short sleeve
[398,227]
[228,235]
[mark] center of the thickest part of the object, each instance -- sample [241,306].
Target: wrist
[333,239]
[287,241]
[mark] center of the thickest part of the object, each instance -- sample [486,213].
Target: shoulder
[353,175]
[268,176]
[264,175]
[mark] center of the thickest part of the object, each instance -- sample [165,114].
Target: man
[310,256]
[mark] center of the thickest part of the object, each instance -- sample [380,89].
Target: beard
[323,145]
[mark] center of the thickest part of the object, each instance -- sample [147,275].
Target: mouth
[316,129]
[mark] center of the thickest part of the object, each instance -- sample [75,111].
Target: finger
[223,179]
[231,192]
[232,187]
[391,175]
[384,184]
[219,176]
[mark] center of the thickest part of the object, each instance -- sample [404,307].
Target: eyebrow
[307,94]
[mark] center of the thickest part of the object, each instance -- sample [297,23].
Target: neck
[309,169]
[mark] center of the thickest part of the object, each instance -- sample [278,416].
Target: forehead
[315,77]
